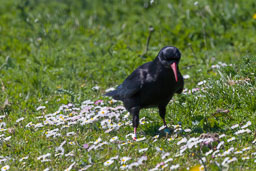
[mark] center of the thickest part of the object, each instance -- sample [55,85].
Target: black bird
[151,85]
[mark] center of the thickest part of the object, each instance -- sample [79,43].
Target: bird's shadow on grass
[153,130]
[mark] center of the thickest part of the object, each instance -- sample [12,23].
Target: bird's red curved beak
[174,68]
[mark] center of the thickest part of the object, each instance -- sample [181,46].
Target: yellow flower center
[254,16]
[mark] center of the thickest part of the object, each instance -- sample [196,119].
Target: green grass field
[58,57]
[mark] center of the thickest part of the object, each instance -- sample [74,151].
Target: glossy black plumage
[151,85]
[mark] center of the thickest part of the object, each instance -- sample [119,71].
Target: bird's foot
[167,131]
[134,138]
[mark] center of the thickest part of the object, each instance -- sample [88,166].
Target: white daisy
[123,167]
[164,166]
[156,136]
[246,148]
[165,155]
[114,158]
[187,130]
[183,140]
[135,164]
[173,167]
[209,152]
[20,119]
[23,158]
[201,82]
[85,168]
[72,143]
[109,89]
[220,144]
[215,152]
[228,151]
[108,162]
[97,141]
[161,128]
[70,167]
[6,167]
[231,139]
[40,107]
[141,139]
[241,131]
[159,149]
[186,76]
[222,135]
[143,150]
[141,159]
[238,152]
[114,139]
[70,133]
[225,161]
[96,88]
[71,153]
[247,124]
[7,138]
[245,158]
[43,157]
[234,126]
[168,160]
[125,159]
[232,160]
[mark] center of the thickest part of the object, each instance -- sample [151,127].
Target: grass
[52,53]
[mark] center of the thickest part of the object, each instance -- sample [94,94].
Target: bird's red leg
[135,133]
[135,120]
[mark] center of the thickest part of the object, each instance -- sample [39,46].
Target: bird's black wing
[131,85]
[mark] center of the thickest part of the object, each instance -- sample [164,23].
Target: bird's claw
[167,130]
[134,138]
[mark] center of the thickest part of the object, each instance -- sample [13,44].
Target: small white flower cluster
[124,160]
[219,65]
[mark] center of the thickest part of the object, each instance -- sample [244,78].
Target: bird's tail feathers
[113,94]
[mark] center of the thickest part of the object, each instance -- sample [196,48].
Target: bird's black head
[169,57]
